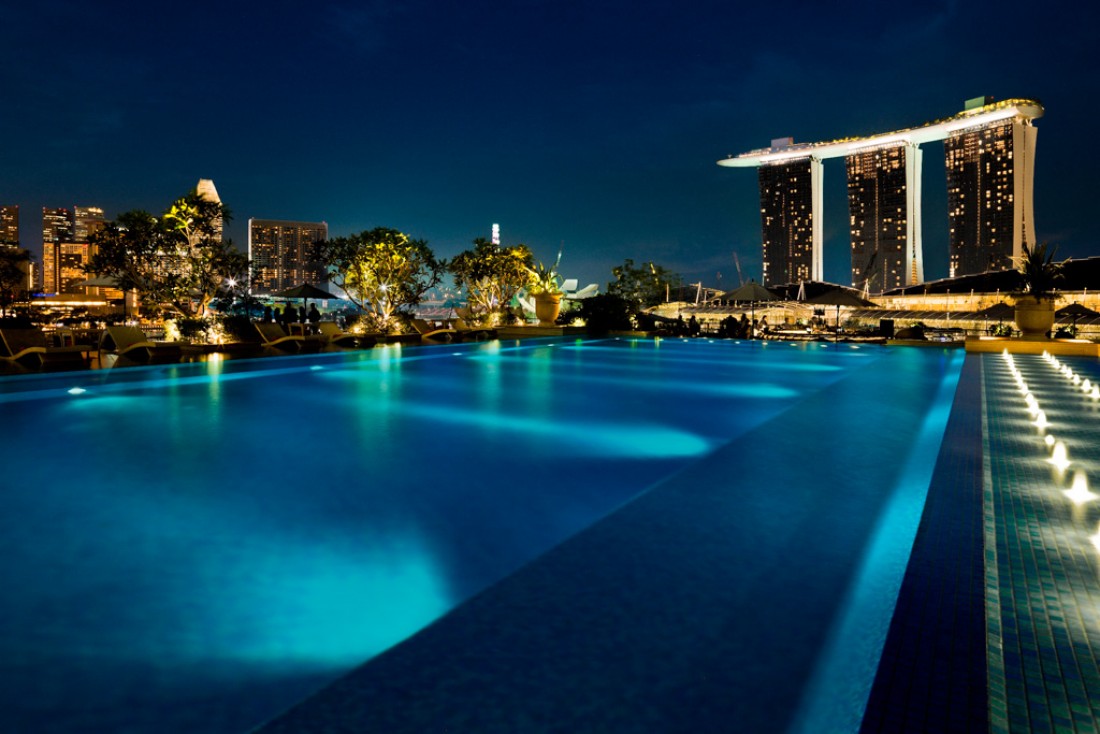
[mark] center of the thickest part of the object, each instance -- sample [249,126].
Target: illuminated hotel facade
[789,197]
[990,159]
[281,254]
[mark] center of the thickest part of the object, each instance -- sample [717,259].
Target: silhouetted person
[277,315]
[301,314]
[267,314]
[314,315]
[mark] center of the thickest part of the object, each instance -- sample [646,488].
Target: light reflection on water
[233,519]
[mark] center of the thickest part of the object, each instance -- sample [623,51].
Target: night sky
[592,125]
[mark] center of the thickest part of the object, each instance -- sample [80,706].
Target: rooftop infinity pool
[197,547]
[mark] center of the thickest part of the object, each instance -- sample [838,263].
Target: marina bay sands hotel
[990,157]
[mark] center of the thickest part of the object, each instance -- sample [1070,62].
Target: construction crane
[740,279]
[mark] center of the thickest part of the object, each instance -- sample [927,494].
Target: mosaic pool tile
[1042,584]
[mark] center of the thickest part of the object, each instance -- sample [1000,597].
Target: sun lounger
[332,334]
[131,342]
[275,336]
[431,332]
[30,348]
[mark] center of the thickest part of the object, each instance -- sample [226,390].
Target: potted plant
[1035,302]
[545,288]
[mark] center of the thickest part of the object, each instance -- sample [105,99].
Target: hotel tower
[281,254]
[990,158]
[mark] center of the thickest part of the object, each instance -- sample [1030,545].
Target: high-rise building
[65,248]
[884,216]
[9,225]
[86,221]
[990,150]
[990,170]
[57,227]
[281,254]
[790,205]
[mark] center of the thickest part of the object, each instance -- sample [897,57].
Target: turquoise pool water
[196,547]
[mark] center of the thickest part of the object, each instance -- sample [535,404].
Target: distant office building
[86,221]
[990,170]
[790,196]
[65,248]
[57,227]
[281,254]
[9,225]
[884,211]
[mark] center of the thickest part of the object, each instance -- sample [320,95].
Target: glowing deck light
[76,391]
[1076,379]
[1041,421]
[1086,386]
[1049,440]
[1059,459]
[1095,540]
[1095,394]
[1079,493]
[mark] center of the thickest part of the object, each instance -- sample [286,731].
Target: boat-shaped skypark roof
[928,132]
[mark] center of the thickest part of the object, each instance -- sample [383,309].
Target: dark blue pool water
[196,547]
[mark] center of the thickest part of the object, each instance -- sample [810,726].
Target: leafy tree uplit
[642,286]
[383,271]
[177,259]
[491,275]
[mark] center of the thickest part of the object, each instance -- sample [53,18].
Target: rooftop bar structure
[990,158]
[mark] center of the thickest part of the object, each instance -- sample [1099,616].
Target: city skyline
[595,128]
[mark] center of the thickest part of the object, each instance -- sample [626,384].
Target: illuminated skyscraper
[57,227]
[990,167]
[9,225]
[990,170]
[884,210]
[86,221]
[65,249]
[281,254]
[790,206]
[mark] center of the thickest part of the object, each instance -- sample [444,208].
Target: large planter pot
[1035,319]
[547,308]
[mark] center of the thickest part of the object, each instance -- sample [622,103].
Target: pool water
[196,547]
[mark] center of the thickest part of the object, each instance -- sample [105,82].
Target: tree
[14,266]
[491,275]
[178,259]
[383,272]
[641,286]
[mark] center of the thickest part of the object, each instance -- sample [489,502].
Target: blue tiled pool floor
[653,619]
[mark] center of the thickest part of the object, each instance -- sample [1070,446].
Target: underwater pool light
[1079,493]
[1060,460]
[76,391]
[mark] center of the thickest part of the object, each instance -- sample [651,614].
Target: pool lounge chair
[131,342]
[332,334]
[273,335]
[30,348]
[432,333]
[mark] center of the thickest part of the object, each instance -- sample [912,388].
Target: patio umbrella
[840,296]
[751,292]
[305,292]
[1075,311]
